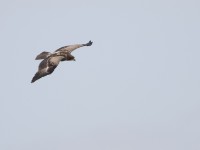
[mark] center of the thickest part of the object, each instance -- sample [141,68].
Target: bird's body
[51,60]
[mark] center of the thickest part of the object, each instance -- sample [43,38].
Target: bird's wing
[49,64]
[69,48]
[88,44]
[46,67]
[41,74]
[62,49]
[43,55]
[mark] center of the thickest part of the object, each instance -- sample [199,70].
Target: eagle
[51,60]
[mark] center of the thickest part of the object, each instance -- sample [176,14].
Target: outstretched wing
[43,55]
[69,48]
[45,68]
[73,47]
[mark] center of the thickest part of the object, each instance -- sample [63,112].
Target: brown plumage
[51,60]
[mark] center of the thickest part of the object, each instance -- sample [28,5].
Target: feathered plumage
[51,60]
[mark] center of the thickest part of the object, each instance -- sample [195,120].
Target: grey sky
[137,87]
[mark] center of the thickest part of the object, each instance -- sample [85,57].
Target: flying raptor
[51,60]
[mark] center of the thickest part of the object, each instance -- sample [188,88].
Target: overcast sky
[137,87]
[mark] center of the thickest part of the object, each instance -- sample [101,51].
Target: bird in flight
[51,60]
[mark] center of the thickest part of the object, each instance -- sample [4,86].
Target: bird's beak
[74,59]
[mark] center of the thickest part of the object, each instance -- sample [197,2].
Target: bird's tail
[43,55]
